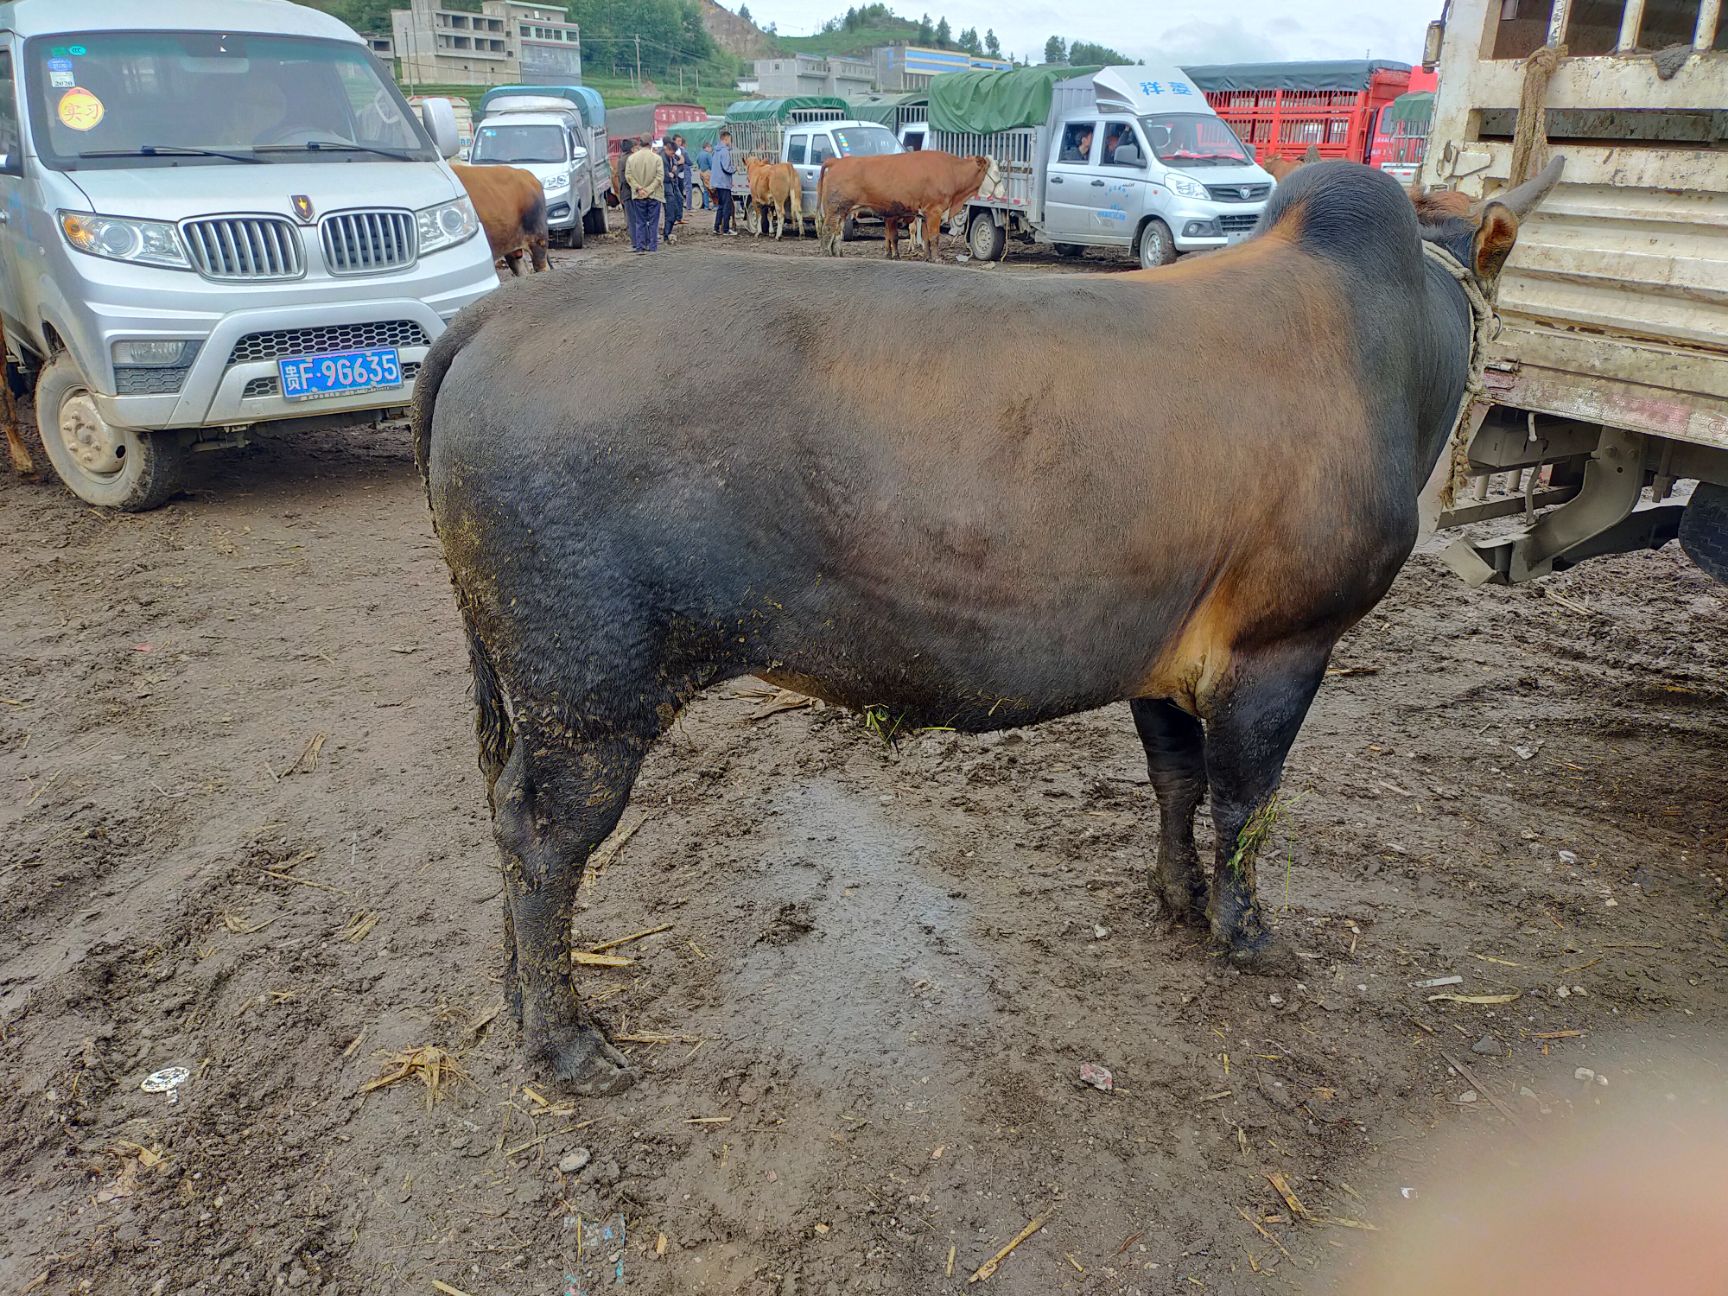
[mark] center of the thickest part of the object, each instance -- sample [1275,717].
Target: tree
[1080,51]
[926,33]
[969,41]
[944,34]
[992,46]
[744,12]
[1055,50]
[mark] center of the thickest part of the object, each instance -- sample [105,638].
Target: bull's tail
[534,225]
[822,210]
[431,377]
[795,204]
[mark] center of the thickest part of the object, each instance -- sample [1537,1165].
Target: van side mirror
[439,118]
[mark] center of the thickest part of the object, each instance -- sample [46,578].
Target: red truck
[647,120]
[1281,109]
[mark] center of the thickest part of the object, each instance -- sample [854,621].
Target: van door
[821,149]
[1119,191]
[1067,183]
[13,201]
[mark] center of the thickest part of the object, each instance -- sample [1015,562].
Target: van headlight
[447,224]
[1185,186]
[557,182]
[139,241]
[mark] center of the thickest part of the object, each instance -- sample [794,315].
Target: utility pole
[638,62]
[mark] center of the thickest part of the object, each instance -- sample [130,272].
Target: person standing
[674,187]
[646,175]
[626,147]
[705,174]
[685,170]
[723,173]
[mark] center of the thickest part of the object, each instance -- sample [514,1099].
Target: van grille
[1238,193]
[367,242]
[244,247]
[1234,223]
[322,341]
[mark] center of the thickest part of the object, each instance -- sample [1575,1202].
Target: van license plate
[306,377]
[1236,236]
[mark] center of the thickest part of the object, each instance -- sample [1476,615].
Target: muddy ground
[243,833]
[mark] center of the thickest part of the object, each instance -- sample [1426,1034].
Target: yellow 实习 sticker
[80,110]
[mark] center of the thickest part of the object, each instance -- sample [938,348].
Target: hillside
[738,36]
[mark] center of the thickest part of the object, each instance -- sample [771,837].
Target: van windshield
[518,144]
[139,99]
[1194,139]
[864,141]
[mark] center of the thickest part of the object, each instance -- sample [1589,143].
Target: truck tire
[1072,251]
[849,230]
[103,465]
[1157,246]
[985,239]
[594,219]
[1704,529]
[578,231]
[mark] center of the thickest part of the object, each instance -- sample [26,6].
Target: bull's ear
[1493,241]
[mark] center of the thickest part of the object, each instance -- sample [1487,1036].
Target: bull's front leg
[1251,724]
[555,801]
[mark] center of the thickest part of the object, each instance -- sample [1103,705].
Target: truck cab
[556,134]
[1147,161]
[807,145]
[548,146]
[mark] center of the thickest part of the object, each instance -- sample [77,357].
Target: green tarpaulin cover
[1323,74]
[698,135]
[1416,109]
[748,110]
[983,103]
[882,107]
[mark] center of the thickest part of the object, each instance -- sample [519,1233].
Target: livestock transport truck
[1125,157]
[1607,387]
[558,135]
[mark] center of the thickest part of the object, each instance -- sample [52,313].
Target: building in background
[808,74]
[505,43]
[910,67]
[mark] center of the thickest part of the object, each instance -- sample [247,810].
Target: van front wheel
[1157,246]
[104,465]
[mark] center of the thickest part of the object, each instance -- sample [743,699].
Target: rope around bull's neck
[1485,324]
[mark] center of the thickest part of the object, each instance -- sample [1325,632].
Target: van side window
[11,138]
[1077,142]
[1122,147]
[818,150]
[795,150]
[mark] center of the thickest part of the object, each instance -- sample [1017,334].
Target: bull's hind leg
[1251,725]
[557,799]
[1176,759]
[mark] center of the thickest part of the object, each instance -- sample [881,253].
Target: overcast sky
[1175,31]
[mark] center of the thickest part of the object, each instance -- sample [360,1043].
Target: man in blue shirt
[723,172]
[704,165]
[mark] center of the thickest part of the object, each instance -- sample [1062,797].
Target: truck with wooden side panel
[1606,409]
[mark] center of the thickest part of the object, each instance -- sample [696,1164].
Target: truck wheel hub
[95,446]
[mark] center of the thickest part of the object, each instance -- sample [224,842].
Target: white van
[213,214]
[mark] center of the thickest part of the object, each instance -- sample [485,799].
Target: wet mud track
[243,832]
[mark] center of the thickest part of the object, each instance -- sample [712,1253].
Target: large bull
[1175,487]
[775,190]
[512,210]
[900,188]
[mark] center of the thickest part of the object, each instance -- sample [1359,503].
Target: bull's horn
[1524,198]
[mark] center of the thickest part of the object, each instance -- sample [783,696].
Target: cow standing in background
[900,188]
[775,189]
[512,210]
[957,554]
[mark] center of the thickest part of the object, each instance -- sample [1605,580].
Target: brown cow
[512,209]
[774,187]
[900,187]
[1278,168]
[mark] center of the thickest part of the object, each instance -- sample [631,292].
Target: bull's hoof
[1179,905]
[1265,953]
[582,1061]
